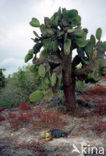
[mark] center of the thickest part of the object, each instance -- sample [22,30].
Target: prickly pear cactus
[51,54]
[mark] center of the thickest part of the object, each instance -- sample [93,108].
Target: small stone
[51,148]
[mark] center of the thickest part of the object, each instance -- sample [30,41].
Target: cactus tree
[62,35]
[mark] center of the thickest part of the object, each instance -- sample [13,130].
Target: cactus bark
[69,84]
[69,91]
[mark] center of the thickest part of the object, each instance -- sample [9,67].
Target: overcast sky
[15,31]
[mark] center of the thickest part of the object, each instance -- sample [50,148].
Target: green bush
[4,102]
[18,87]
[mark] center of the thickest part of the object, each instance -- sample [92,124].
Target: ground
[25,139]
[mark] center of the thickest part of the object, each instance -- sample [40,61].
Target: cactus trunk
[69,88]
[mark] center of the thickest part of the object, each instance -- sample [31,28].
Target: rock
[83,103]
[3,145]
[7,149]
[56,102]
[102,83]
[18,152]
[40,102]
[93,102]
[51,148]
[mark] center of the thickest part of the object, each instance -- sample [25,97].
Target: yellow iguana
[55,133]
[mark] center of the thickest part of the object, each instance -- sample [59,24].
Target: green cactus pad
[103,45]
[48,94]
[46,81]
[71,14]
[98,33]
[35,22]
[92,39]
[81,42]
[55,45]
[35,33]
[43,30]
[37,47]
[47,43]
[44,53]
[79,33]
[48,22]
[67,46]
[29,55]
[36,96]
[53,79]
[50,31]
[41,70]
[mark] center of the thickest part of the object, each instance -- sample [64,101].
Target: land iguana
[55,133]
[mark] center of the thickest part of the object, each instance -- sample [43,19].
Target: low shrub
[97,92]
[24,106]
[48,119]
[38,119]
[16,120]
[100,127]
[100,108]
[18,87]
[3,101]
[11,96]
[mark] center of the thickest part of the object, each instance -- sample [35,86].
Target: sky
[16,33]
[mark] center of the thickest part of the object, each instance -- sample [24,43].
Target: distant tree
[23,79]
[61,35]
[2,78]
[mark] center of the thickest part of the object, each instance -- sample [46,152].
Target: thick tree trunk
[69,87]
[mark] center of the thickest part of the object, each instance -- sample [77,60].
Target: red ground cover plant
[38,119]
[27,116]
[19,119]
[38,113]
[82,128]
[85,98]
[100,127]
[12,115]
[15,120]
[24,106]
[97,92]
[2,118]
[100,108]
[1,108]
[104,78]
[49,119]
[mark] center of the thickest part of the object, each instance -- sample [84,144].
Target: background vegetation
[18,87]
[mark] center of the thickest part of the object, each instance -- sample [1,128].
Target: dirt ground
[89,131]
